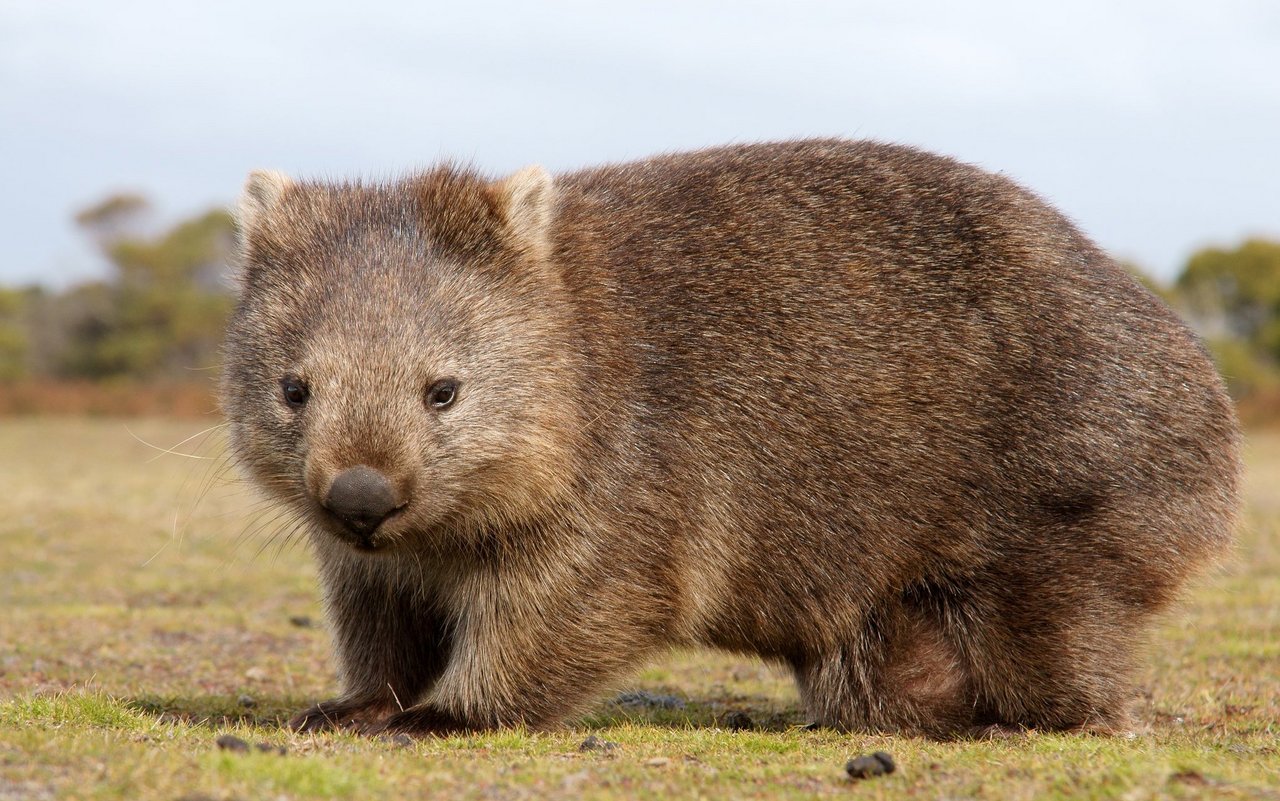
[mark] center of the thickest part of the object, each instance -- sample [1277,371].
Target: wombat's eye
[442,393]
[295,391]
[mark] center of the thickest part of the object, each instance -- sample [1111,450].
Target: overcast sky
[1153,123]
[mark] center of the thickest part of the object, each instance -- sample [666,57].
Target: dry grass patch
[147,611]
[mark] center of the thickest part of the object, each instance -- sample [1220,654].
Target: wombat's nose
[361,498]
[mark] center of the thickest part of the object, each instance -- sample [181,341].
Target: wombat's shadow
[635,707]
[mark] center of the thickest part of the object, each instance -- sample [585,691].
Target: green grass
[145,610]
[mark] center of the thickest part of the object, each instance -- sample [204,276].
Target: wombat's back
[867,376]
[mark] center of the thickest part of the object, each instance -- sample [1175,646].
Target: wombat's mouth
[362,535]
[366,545]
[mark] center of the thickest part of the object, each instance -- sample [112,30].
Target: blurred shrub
[1237,292]
[1233,298]
[130,343]
[165,309]
[1246,372]
[157,317]
[13,335]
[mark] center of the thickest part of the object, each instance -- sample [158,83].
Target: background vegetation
[145,338]
[158,315]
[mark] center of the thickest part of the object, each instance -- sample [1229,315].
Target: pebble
[230,742]
[302,621]
[1193,777]
[247,701]
[594,743]
[643,698]
[867,766]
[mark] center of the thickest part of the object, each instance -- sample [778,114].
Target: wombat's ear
[262,192]
[525,202]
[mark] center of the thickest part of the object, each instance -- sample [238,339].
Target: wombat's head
[399,366]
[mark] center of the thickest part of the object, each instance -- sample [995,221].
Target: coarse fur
[872,413]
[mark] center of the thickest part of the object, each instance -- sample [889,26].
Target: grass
[141,617]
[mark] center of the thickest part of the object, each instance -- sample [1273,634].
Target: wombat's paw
[337,713]
[420,721]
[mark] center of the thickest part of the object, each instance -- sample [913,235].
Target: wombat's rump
[872,413]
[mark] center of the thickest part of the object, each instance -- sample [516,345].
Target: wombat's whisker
[173,449]
[163,450]
[173,536]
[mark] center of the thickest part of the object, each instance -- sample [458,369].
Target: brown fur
[875,414]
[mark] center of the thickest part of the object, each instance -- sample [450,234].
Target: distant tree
[115,217]
[14,343]
[1234,296]
[74,326]
[164,310]
[1239,290]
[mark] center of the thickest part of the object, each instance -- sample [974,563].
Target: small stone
[867,766]
[403,740]
[645,699]
[594,743]
[302,621]
[737,721]
[1194,777]
[247,701]
[230,742]
[657,762]
[268,748]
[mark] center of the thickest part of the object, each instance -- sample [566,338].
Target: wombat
[879,416]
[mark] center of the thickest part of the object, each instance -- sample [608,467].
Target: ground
[150,605]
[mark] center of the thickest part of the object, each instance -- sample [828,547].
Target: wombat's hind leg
[900,674]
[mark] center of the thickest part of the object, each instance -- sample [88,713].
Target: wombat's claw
[423,721]
[336,715]
[313,719]
[378,730]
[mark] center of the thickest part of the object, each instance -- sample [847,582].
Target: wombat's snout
[361,498]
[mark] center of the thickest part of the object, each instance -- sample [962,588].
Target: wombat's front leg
[391,646]
[516,663]
[355,713]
